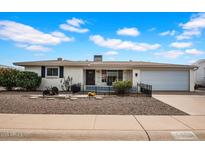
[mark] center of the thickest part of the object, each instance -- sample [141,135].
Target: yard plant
[122,87]
[28,80]
[10,78]
[66,83]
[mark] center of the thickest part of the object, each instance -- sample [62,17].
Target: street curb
[72,135]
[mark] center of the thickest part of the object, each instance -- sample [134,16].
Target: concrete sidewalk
[100,127]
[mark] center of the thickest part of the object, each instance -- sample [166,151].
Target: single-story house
[162,77]
[199,74]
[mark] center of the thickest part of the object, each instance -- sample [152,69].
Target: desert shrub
[76,88]
[55,90]
[46,92]
[66,83]
[28,80]
[122,87]
[50,91]
[8,78]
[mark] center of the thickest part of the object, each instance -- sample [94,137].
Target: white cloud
[37,48]
[170,33]
[181,44]
[192,61]
[31,38]
[33,47]
[152,29]
[188,34]
[74,25]
[73,29]
[194,52]
[111,53]
[128,31]
[118,44]
[196,22]
[170,54]
[193,27]
[17,32]
[176,53]
[75,22]
[62,36]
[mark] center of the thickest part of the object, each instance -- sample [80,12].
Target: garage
[166,80]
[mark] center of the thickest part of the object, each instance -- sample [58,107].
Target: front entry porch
[105,77]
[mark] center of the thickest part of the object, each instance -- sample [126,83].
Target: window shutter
[61,72]
[43,72]
[120,75]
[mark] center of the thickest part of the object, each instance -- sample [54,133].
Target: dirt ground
[19,102]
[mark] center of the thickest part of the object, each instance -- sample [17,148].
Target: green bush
[121,87]
[8,78]
[28,80]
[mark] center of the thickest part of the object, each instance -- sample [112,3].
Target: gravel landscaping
[19,102]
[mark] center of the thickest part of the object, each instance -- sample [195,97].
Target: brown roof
[109,64]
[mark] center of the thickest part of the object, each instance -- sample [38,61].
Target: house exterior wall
[75,72]
[79,76]
[199,74]
[36,69]
[50,82]
[47,82]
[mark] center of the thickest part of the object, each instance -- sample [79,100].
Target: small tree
[66,83]
[121,87]
[8,78]
[28,80]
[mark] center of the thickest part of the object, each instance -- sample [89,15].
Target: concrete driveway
[191,104]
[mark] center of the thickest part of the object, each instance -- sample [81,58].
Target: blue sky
[158,37]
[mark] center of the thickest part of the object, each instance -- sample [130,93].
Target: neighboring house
[163,77]
[199,74]
[11,67]
[5,66]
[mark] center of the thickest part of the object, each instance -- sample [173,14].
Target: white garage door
[166,80]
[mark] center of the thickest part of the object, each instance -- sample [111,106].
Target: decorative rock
[50,98]
[73,98]
[60,97]
[80,96]
[33,97]
[98,97]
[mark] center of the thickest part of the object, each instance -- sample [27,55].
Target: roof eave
[24,64]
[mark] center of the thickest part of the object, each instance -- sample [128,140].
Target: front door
[90,77]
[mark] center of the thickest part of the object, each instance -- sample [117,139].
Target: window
[110,76]
[52,71]
[120,75]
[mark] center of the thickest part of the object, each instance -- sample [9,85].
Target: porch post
[135,77]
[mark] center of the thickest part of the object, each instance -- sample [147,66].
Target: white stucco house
[199,74]
[162,77]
